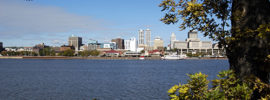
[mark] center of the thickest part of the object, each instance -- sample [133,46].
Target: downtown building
[1,46]
[193,45]
[76,42]
[131,44]
[158,43]
[148,37]
[172,40]
[119,43]
[110,45]
[144,40]
[93,46]
[141,38]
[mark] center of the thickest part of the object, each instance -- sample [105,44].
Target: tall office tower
[119,42]
[148,37]
[75,41]
[173,38]
[1,46]
[141,37]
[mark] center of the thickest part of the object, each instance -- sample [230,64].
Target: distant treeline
[51,52]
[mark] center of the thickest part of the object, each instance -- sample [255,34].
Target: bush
[226,87]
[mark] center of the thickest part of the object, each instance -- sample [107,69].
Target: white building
[193,44]
[131,44]
[173,38]
[180,44]
[206,45]
[148,37]
[127,44]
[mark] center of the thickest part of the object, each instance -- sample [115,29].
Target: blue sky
[51,22]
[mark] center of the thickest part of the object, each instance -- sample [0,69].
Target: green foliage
[89,53]
[201,15]
[231,87]
[174,50]
[69,52]
[227,87]
[47,52]
[142,51]
[198,54]
[94,53]
[21,53]
[246,41]
[84,53]
[195,89]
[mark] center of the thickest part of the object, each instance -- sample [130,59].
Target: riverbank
[98,58]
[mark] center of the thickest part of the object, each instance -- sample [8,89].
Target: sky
[27,23]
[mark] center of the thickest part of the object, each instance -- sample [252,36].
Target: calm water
[24,79]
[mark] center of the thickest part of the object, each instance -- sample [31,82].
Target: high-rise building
[141,37]
[158,43]
[131,44]
[119,42]
[173,38]
[148,37]
[127,44]
[1,46]
[75,41]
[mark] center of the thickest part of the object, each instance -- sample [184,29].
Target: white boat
[173,57]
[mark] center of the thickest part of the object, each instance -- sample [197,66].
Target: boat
[141,58]
[173,57]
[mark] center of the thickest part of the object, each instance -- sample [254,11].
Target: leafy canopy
[211,17]
[208,16]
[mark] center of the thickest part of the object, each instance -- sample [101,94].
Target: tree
[94,53]
[246,39]
[142,51]
[88,53]
[68,52]
[84,53]
[47,52]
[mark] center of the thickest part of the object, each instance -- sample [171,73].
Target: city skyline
[51,21]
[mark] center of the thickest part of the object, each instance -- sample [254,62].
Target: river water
[28,79]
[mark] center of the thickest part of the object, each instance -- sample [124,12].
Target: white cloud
[20,18]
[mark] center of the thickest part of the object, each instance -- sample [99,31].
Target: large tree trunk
[247,53]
